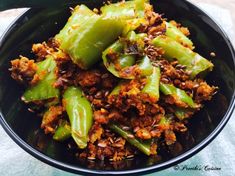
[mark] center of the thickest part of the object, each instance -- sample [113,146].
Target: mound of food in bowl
[115,81]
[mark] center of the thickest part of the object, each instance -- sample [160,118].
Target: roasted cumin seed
[165,80]
[98,95]
[214,93]
[117,145]
[30,110]
[107,130]
[118,139]
[126,128]
[106,75]
[107,106]
[130,156]
[102,144]
[106,93]
[90,98]
[136,129]
[111,140]
[178,66]
[196,86]
[98,74]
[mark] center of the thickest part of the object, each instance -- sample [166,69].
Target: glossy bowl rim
[76,169]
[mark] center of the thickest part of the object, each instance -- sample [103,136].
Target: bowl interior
[38,25]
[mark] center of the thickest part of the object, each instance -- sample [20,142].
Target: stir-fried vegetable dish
[115,81]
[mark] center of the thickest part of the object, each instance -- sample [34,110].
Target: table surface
[14,161]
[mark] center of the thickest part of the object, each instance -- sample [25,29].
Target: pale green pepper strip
[63,131]
[78,18]
[44,89]
[133,24]
[132,11]
[194,63]
[88,36]
[152,85]
[117,88]
[125,10]
[181,113]
[143,147]
[177,93]
[175,33]
[79,111]
[145,66]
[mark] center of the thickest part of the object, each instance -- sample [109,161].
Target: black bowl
[37,25]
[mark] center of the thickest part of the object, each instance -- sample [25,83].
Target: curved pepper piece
[126,61]
[194,63]
[177,93]
[145,66]
[124,9]
[116,90]
[115,49]
[143,147]
[118,87]
[86,35]
[79,16]
[131,11]
[174,33]
[62,132]
[79,111]
[119,63]
[44,89]
[182,113]
[152,85]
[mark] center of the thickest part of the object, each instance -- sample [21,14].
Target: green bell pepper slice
[44,89]
[152,84]
[177,93]
[79,111]
[174,33]
[194,63]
